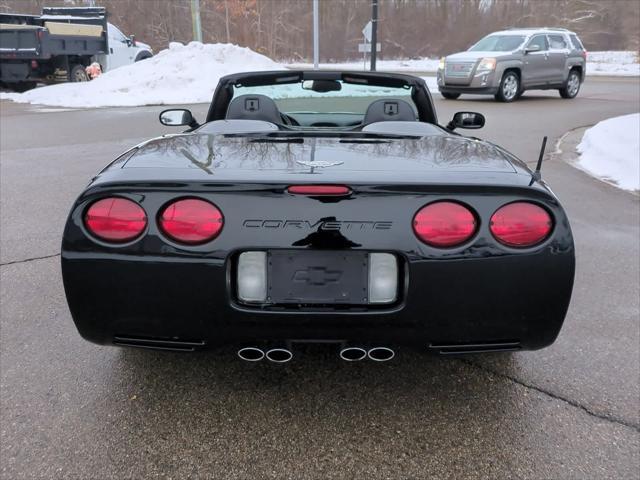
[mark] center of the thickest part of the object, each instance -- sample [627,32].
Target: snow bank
[610,150]
[426,65]
[615,63]
[180,74]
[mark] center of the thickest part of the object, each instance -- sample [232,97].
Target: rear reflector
[444,224]
[252,276]
[521,224]
[383,278]
[337,190]
[191,221]
[115,220]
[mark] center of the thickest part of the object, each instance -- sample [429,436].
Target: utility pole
[195,20]
[374,34]
[316,40]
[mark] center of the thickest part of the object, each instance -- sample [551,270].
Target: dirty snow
[182,74]
[185,74]
[610,150]
[427,65]
[615,63]
[179,74]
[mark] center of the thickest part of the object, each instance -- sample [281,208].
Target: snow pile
[610,150]
[426,65]
[180,74]
[616,63]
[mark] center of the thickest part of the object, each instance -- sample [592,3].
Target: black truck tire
[22,86]
[78,74]
[450,96]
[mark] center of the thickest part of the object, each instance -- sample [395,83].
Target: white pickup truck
[58,45]
[123,50]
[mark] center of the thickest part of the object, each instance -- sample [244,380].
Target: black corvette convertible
[326,207]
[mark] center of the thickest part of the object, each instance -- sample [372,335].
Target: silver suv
[507,63]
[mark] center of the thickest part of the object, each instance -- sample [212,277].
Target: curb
[565,150]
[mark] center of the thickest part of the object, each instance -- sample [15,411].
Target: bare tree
[282,29]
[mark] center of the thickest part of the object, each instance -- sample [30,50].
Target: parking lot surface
[70,409]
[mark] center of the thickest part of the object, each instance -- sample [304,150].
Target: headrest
[254,107]
[389,109]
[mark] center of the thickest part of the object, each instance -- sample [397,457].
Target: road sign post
[374,33]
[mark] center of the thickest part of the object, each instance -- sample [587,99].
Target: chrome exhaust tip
[251,354]
[279,355]
[353,354]
[381,354]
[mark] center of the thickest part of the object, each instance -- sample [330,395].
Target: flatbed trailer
[53,47]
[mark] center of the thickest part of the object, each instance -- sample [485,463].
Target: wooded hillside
[281,29]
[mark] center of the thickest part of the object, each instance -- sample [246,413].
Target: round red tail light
[521,224]
[444,224]
[191,221]
[115,219]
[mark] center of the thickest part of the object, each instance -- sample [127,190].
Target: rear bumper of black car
[514,301]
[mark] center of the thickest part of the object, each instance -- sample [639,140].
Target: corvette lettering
[318,225]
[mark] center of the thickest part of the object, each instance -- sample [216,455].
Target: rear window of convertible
[351,98]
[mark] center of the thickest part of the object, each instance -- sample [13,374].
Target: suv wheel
[509,88]
[450,96]
[572,87]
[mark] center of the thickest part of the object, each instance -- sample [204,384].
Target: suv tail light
[521,224]
[115,219]
[444,224]
[191,221]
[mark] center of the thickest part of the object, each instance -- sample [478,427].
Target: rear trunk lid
[441,158]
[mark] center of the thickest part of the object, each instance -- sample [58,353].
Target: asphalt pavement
[70,409]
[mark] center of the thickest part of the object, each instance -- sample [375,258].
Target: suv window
[540,40]
[557,42]
[577,44]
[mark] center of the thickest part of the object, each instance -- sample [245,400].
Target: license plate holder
[317,277]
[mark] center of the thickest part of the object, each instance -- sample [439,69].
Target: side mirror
[532,48]
[132,39]
[177,117]
[470,120]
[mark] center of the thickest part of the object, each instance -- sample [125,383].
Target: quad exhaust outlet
[349,353]
[377,354]
[275,354]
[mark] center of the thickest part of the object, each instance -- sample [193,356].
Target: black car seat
[254,107]
[389,109]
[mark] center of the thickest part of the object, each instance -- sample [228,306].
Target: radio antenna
[536,174]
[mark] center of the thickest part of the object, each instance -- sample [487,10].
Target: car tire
[78,74]
[572,86]
[22,86]
[509,89]
[450,96]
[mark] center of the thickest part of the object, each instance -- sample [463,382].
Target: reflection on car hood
[217,153]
